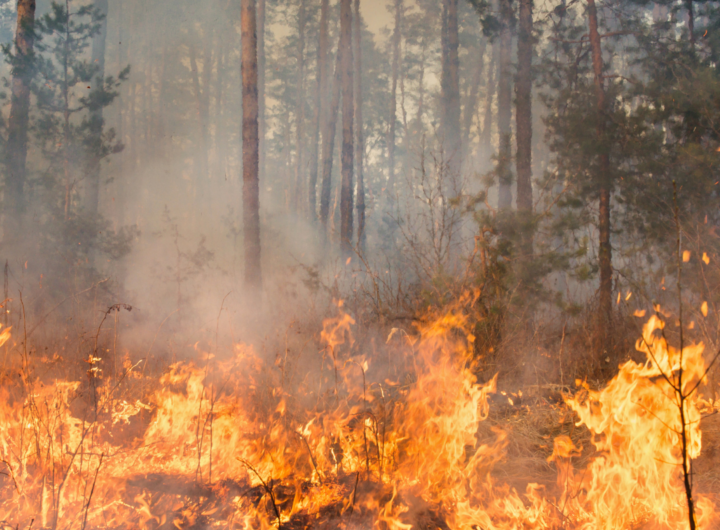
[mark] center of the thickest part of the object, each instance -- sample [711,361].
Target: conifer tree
[21,60]
[250,145]
[348,115]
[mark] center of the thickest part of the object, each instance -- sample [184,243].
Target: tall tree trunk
[450,87]
[490,88]
[220,132]
[396,40]
[16,154]
[504,107]
[250,144]
[320,97]
[261,16]
[359,133]
[298,203]
[348,115]
[419,127]
[201,92]
[604,178]
[523,108]
[690,21]
[92,192]
[208,59]
[328,141]
[472,100]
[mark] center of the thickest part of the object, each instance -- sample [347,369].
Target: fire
[357,441]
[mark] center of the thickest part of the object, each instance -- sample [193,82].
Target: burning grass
[358,436]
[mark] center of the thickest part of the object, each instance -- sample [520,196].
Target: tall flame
[229,444]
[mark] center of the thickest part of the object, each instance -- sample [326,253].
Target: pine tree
[348,115]
[250,145]
[359,132]
[21,60]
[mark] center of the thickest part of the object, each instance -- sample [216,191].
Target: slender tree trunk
[300,110]
[396,40]
[96,115]
[690,21]
[604,178]
[359,133]
[504,107]
[207,65]
[328,141]
[16,154]
[348,115]
[472,100]
[250,144]
[419,127]
[523,107]
[201,157]
[450,87]
[261,16]
[220,132]
[490,87]
[119,187]
[320,97]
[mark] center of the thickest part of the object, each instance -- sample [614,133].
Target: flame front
[236,444]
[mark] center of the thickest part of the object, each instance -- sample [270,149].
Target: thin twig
[268,488]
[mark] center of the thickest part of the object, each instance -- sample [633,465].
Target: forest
[360,264]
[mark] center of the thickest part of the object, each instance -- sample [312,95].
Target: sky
[375,14]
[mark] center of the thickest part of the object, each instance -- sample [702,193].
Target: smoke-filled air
[360,265]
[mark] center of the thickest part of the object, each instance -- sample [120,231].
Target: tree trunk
[450,88]
[490,87]
[504,107]
[523,108]
[472,100]
[320,97]
[396,39]
[300,110]
[690,21]
[250,144]
[16,154]
[261,16]
[220,132]
[604,178]
[359,133]
[419,127]
[201,157]
[92,193]
[328,141]
[348,115]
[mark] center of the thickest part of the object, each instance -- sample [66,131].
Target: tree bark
[690,21]
[300,111]
[359,133]
[320,97]
[490,87]
[328,141]
[504,108]
[261,16]
[220,132]
[396,39]
[250,145]
[604,178]
[16,155]
[92,194]
[450,88]
[348,115]
[201,157]
[523,108]
[472,100]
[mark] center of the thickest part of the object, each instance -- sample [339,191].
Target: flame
[230,443]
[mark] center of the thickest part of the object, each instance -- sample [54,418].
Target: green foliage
[67,128]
